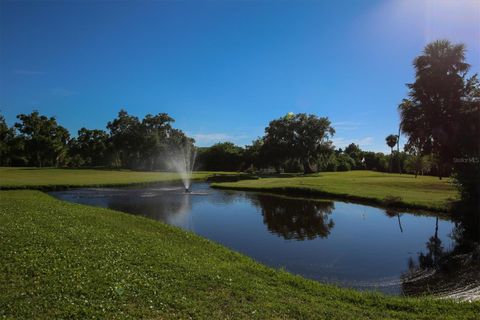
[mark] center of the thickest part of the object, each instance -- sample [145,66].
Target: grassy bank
[63,260]
[52,178]
[381,188]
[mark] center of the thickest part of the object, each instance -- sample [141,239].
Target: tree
[156,130]
[344,162]
[253,157]
[44,139]
[442,114]
[146,144]
[6,136]
[11,146]
[467,156]
[222,156]
[126,138]
[391,142]
[398,149]
[430,116]
[354,151]
[90,146]
[375,161]
[298,137]
[417,164]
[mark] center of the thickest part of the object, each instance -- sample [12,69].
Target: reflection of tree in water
[294,218]
[225,197]
[434,251]
[393,213]
[455,272]
[159,206]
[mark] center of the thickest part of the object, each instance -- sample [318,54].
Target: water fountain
[182,160]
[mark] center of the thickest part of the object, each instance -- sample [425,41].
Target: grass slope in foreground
[64,260]
[50,178]
[423,192]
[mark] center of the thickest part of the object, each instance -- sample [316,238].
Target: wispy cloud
[62,92]
[346,125]
[362,142]
[25,72]
[207,139]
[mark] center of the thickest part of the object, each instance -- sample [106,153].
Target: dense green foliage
[146,144]
[41,141]
[297,138]
[37,140]
[417,164]
[6,135]
[441,116]
[388,189]
[150,144]
[90,148]
[63,260]
[224,156]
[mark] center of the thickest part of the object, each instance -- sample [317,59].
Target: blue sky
[224,69]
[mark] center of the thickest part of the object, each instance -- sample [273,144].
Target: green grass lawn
[51,178]
[422,192]
[64,260]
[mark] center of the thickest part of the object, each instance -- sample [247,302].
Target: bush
[345,162]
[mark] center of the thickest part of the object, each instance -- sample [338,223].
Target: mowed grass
[50,178]
[61,260]
[423,192]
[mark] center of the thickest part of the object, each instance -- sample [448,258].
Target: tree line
[37,140]
[226,156]
[440,118]
[292,143]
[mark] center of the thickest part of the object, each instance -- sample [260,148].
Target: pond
[347,244]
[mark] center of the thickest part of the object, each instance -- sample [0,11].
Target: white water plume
[182,160]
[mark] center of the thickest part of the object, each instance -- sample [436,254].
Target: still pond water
[351,245]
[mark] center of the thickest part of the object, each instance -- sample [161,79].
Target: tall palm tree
[398,149]
[391,142]
[431,116]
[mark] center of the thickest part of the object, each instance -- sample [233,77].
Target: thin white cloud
[362,142]
[205,138]
[346,125]
[208,139]
[25,72]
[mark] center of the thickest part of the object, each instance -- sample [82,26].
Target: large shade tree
[441,116]
[354,151]
[6,136]
[222,156]
[44,139]
[298,137]
[155,131]
[91,146]
[126,138]
[146,144]
[430,116]
[253,156]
